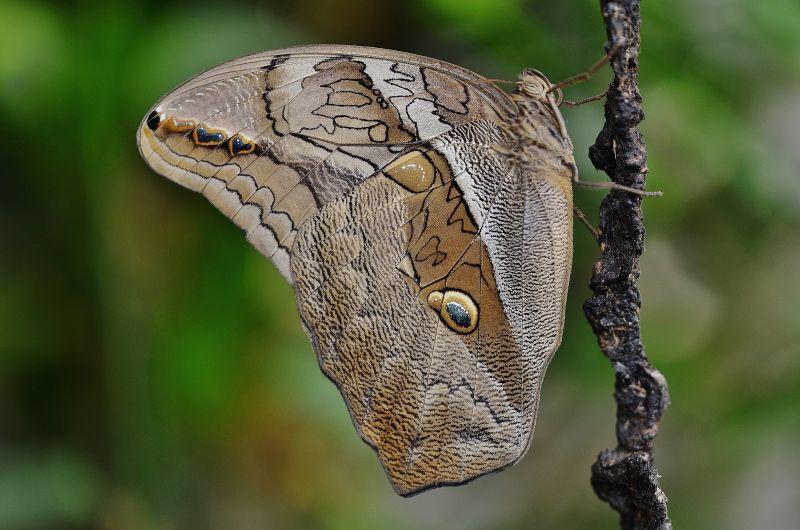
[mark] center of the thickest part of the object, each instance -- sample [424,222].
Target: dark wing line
[266,150]
[424,211]
[278,200]
[229,74]
[428,383]
[439,105]
[462,474]
[375,167]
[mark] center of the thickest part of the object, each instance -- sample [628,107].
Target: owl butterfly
[424,218]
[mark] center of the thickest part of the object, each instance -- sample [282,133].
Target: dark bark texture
[625,476]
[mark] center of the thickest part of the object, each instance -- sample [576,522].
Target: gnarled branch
[625,476]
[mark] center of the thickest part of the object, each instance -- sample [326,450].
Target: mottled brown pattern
[372,179]
[340,101]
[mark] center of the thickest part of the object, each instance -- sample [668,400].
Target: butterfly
[423,216]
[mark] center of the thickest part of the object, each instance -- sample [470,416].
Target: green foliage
[153,373]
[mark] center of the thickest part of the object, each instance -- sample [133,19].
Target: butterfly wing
[423,258]
[270,137]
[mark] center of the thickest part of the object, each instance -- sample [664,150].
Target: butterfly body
[424,219]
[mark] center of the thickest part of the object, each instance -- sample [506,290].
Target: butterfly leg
[585,220]
[579,102]
[608,185]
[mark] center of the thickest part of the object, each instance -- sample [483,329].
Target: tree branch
[625,477]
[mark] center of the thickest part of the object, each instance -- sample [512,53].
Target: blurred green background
[153,372]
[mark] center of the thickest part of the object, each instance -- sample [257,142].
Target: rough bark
[625,476]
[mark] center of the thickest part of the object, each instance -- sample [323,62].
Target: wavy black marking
[476,400]
[439,106]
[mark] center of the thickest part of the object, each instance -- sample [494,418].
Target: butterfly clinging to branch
[424,218]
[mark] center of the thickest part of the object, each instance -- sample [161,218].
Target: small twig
[625,476]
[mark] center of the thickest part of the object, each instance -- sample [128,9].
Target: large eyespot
[456,309]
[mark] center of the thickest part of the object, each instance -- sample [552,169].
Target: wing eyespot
[208,137]
[153,120]
[457,310]
[239,145]
[174,125]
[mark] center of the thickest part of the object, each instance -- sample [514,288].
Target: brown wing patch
[442,242]
[470,411]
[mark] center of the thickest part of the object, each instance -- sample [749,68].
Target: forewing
[272,137]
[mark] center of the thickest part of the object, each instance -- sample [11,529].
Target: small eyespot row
[172,125]
[202,135]
[381,100]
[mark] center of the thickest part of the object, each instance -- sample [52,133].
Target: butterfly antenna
[502,81]
[585,76]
